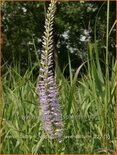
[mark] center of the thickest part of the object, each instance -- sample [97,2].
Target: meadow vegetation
[87,106]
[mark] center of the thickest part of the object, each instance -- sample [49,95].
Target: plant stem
[107,74]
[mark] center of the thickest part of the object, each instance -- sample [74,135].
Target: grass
[87,105]
[89,122]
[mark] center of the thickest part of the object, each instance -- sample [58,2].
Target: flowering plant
[50,110]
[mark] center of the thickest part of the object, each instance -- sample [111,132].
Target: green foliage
[83,112]
[22,26]
[87,104]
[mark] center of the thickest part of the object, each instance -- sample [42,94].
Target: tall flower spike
[50,110]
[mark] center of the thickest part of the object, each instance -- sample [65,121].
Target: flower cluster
[50,109]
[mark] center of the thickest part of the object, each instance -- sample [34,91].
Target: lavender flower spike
[50,110]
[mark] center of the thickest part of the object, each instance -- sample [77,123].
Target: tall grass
[87,104]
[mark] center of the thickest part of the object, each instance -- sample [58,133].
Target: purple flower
[50,109]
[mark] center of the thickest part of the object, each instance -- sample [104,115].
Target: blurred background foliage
[74,28]
[87,104]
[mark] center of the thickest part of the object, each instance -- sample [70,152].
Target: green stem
[107,74]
